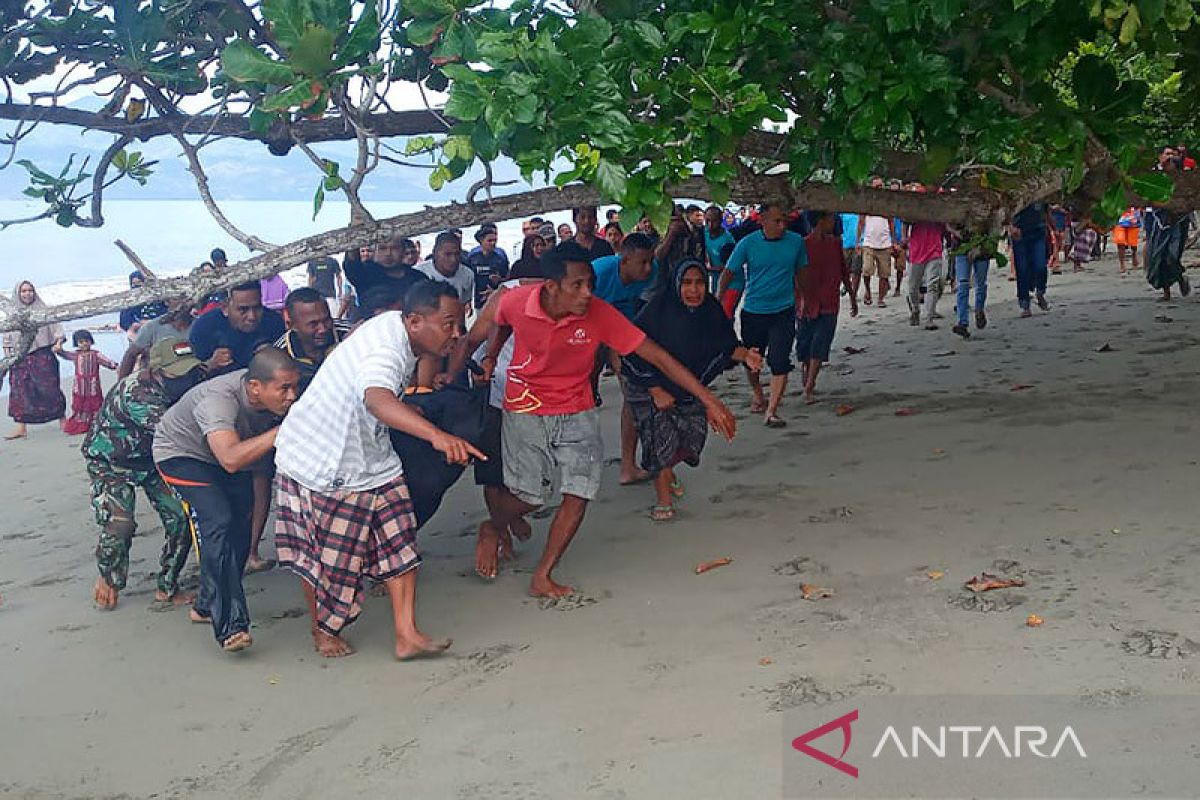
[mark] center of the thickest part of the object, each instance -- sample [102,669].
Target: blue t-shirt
[770,267]
[849,231]
[212,330]
[609,288]
[713,246]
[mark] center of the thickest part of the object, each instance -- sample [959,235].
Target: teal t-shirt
[769,266]
[621,296]
[713,246]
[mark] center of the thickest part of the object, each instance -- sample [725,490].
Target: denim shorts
[545,452]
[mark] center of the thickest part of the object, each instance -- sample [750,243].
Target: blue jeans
[1029,260]
[963,270]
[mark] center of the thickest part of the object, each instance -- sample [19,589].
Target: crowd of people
[352,404]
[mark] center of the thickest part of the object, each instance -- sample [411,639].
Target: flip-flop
[662,513]
[775,421]
[758,407]
[677,489]
[236,642]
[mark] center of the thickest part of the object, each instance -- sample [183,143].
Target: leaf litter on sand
[844,409]
[986,582]
[708,566]
[810,592]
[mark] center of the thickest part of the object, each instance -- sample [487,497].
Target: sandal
[662,513]
[775,421]
[677,489]
[758,406]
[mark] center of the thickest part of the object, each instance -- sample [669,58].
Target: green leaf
[467,102]
[294,97]
[1131,25]
[318,200]
[438,178]
[288,19]
[423,32]
[611,179]
[458,147]
[260,122]
[1111,205]
[363,39]
[1155,187]
[460,73]
[525,110]
[944,11]
[313,54]
[428,8]
[419,144]
[649,34]
[245,63]
[1094,80]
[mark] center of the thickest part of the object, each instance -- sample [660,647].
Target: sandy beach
[655,682]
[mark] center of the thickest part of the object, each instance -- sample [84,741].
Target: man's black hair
[555,260]
[217,255]
[383,296]
[426,296]
[576,211]
[636,241]
[267,363]
[304,294]
[248,286]
[611,214]
[447,237]
[693,208]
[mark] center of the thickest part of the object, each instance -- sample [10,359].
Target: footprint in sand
[49,580]
[570,602]
[1159,644]
[836,514]
[482,664]
[799,566]
[805,690]
[992,602]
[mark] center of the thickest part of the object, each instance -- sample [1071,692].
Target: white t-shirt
[500,373]
[877,233]
[463,280]
[329,441]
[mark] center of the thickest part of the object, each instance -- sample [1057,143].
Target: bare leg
[19,432]
[258,522]
[179,598]
[327,644]
[630,472]
[883,290]
[1121,257]
[810,379]
[562,530]
[855,280]
[105,595]
[778,387]
[866,282]
[504,508]
[410,642]
[759,404]
[1133,250]
[664,501]
[519,527]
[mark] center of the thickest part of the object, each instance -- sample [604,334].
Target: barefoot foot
[105,595]
[504,548]
[634,477]
[487,551]
[178,598]
[544,586]
[422,647]
[198,618]
[331,646]
[255,564]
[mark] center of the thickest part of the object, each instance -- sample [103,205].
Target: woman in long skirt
[689,323]
[34,392]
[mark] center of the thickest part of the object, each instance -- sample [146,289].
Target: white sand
[652,686]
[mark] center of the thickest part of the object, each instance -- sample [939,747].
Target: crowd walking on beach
[352,404]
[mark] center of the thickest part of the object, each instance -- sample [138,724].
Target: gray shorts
[542,451]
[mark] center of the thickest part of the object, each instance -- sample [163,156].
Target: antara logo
[938,742]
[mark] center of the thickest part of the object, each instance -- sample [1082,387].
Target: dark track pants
[219,506]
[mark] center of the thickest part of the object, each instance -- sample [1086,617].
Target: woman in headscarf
[34,393]
[688,323]
[134,316]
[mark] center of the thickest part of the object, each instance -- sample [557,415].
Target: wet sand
[655,681]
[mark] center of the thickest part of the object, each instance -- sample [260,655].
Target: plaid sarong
[332,540]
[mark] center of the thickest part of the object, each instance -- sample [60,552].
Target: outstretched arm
[386,407]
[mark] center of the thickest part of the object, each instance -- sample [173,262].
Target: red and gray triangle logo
[801,743]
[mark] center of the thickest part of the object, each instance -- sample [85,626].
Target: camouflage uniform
[117,453]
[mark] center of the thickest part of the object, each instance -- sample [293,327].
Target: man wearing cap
[489,262]
[117,452]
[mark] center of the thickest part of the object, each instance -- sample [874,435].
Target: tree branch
[96,219]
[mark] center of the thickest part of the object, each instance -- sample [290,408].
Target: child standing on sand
[88,396]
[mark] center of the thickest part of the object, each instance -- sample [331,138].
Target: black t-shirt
[599,249]
[324,272]
[489,270]
[212,330]
[365,275]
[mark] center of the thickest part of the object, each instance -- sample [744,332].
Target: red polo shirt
[553,359]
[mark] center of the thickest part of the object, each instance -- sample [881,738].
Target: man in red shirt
[820,300]
[551,429]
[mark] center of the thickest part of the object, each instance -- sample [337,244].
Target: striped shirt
[329,441]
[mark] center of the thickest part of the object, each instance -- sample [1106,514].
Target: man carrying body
[204,448]
[551,431]
[231,333]
[176,324]
[311,335]
[344,506]
[773,261]
[621,282]
[117,452]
